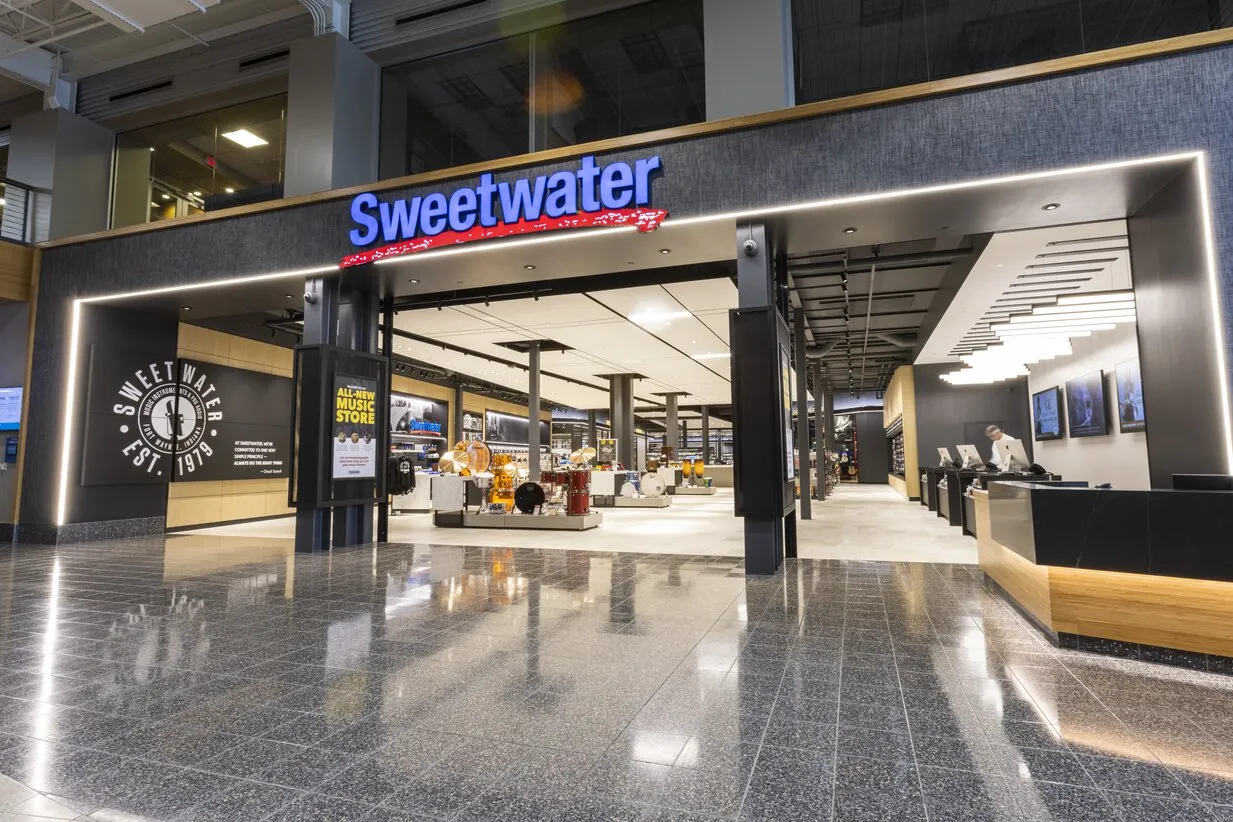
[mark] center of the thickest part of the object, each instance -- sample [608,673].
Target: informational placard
[355,427]
[606,452]
[10,408]
[150,422]
[412,416]
[1130,413]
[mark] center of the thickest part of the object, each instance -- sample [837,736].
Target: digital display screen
[1085,405]
[1130,413]
[1048,418]
[10,408]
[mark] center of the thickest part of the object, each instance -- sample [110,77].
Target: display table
[1140,573]
[460,519]
[691,490]
[419,501]
[929,485]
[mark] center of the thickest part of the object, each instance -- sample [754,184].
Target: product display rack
[896,463]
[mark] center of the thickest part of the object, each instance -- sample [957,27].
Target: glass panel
[221,158]
[464,107]
[634,70]
[620,73]
[865,45]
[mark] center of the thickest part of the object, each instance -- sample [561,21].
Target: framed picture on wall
[1085,405]
[1130,413]
[1048,417]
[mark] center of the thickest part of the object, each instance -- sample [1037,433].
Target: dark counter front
[1163,533]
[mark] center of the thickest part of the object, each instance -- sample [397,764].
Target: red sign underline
[643,219]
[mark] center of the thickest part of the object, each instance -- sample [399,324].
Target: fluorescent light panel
[245,138]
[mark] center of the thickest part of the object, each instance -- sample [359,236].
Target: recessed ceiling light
[166,196]
[244,137]
[413,281]
[229,190]
[529,267]
[196,193]
[289,297]
[188,308]
[665,251]
[849,230]
[1051,206]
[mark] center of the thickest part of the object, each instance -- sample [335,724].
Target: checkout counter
[1146,574]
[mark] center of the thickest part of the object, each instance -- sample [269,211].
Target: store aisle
[873,522]
[859,522]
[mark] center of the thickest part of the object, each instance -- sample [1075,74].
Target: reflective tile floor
[195,678]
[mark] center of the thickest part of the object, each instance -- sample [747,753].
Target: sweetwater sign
[590,196]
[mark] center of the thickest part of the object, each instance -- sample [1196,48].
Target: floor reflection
[208,678]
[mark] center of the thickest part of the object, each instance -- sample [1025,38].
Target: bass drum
[579,492]
[528,497]
[653,485]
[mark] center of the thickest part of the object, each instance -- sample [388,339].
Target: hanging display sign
[418,417]
[355,427]
[591,196]
[153,422]
[606,452]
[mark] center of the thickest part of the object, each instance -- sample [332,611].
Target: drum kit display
[502,480]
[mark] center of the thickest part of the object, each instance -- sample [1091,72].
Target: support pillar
[358,310]
[706,434]
[591,433]
[802,413]
[672,428]
[387,351]
[312,524]
[333,108]
[533,411]
[456,417]
[621,398]
[761,438]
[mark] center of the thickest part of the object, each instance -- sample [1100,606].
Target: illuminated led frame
[1199,157]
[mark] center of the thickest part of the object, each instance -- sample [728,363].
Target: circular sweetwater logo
[168,418]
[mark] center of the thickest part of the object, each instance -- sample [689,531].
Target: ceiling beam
[38,68]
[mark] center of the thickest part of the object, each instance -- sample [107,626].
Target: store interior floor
[858,522]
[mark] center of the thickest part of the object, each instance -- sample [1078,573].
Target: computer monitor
[970,456]
[1014,458]
[1202,482]
[947,459]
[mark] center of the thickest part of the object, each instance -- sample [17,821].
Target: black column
[591,428]
[387,351]
[312,524]
[533,442]
[456,413]
[761,417]
[802,411]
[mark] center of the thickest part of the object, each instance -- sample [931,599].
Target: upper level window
[624,72]
[866,45]
[208,161]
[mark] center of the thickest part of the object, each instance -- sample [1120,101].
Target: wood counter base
[1147,617]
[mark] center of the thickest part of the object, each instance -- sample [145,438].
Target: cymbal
[582,456]
[448,463]
[479,457]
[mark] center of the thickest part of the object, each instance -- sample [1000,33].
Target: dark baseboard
[74,532]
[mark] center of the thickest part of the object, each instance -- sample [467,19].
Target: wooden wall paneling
[899,400]
[1025,581]
[1169,612]
[16,271]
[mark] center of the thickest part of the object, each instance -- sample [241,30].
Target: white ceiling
[671,324]
[1068,259]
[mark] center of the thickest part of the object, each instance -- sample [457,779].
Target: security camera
[751,248]
[310,298]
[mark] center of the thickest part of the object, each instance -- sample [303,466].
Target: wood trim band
[901,94]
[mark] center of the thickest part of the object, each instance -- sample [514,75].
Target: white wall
[1117,458]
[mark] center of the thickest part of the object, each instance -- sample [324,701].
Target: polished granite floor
[200,678]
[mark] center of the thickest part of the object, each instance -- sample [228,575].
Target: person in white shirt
[994,433]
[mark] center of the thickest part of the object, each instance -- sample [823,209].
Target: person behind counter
[994,434]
